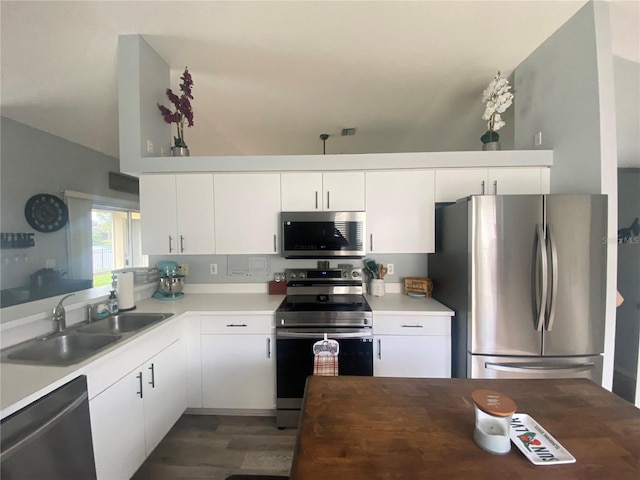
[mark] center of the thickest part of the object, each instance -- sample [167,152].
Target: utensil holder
[376,287]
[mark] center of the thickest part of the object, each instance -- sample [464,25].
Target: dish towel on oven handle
[325,357]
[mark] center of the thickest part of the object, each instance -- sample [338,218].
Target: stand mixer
[171,281]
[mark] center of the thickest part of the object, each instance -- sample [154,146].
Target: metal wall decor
[46,213]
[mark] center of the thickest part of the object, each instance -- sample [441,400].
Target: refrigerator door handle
[541,278]
[553,249]
[539,367]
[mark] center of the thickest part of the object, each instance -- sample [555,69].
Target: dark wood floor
[214,447]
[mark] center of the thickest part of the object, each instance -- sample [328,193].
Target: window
[115,242]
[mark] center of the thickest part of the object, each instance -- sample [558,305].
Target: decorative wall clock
[46,213]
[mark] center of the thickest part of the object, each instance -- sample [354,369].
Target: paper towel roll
[124,290]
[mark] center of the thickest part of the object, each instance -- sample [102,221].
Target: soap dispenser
[113,302]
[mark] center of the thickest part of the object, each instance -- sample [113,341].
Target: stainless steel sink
[65,348]
[124,323]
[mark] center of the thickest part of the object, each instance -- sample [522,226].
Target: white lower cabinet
[238,362]
[412,346]
[130,417]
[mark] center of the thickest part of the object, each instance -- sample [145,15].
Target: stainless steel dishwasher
[50,438]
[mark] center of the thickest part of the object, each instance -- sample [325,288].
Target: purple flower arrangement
[183,111]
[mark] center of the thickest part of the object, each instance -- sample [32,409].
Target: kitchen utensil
[372,267]
[382,270]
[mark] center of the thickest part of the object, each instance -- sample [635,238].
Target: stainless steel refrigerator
[526,276]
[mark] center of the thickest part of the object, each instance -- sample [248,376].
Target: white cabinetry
[317,191]
[131,416]
[400,211]
[412,346]
[177,214]
[455,183]
[247,207]
[238,362]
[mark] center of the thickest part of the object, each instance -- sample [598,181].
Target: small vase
[491,146]
[179,151]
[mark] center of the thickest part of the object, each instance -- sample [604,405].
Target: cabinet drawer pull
[181,244]
[153,376]
[328,201]
[139,377]
[275,243]
[170,244]
[482,187]
[237,325]
[371,242]
[379,349]
[268,348]
[316,199]
[412,326]
[495,187]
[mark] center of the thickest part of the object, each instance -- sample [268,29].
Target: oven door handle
[320,336]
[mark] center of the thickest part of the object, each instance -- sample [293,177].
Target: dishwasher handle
[42,429]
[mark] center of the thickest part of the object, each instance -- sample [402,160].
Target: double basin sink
[79,342]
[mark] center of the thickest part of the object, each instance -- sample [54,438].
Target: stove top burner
[323,303]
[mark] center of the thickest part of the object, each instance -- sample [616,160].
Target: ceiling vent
[346,132]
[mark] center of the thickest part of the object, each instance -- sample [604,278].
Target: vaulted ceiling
[271,76]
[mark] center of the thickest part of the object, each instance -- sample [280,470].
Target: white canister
[493,417]
[376,287]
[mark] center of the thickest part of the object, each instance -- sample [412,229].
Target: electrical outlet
[184,269]
[537,139]
[163,152]
[149,146]
[390,269]
[213,269]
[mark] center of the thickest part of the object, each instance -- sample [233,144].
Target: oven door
[294,358]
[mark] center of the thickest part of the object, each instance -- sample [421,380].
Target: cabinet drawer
[411,325]
[236,324]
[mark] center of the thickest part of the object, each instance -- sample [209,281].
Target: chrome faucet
[60,315]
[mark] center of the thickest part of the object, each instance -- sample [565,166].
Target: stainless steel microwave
[322,234]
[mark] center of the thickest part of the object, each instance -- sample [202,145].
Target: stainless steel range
[319,301]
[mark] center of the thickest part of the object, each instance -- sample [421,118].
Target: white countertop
[22,384]
[399,304]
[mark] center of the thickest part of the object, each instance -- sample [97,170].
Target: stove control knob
[345,274]
[355,274]
[292,275]
[303,275]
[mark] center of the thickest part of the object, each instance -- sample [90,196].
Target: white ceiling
[271,76]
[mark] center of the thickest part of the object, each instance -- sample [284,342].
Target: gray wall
[557,93]
[628,314]
[32,162]
[405,265]
[627,85]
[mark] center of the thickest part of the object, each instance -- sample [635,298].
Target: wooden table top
[407,428]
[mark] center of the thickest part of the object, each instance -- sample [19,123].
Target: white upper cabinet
[513,181]
[158,224]
[400,211]
[177,214]
[455,183]
[317,191]
[247,209]
[195,213]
